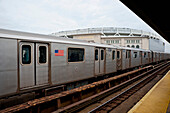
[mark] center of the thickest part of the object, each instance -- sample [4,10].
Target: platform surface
[156,100]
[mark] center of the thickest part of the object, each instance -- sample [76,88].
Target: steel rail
[117,100]
[85,102]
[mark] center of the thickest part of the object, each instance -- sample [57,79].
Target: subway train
[29,61]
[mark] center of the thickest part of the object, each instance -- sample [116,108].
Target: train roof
[11,34]
[31,36]
[135,49]
[46,38]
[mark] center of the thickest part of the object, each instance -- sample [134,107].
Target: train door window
[26,54]
[75,54]
[118,54]
[96,54]
[134,54]
[129,54]
[126,54]
[42,54]
[102,54]
[144,54]
[113,54]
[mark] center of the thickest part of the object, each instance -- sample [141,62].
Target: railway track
[118,99]
[95,98]
[78,98]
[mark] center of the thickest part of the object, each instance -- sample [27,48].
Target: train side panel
[161,56]
[154,56]
[63,71]
[119,59]
[135,58]
[145,58]
[150,57]
[126,59]
[157,57]
[110,60]
[123,59]
[8,66]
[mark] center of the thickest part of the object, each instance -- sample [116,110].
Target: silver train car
[29,61]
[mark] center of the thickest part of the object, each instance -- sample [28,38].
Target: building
[117,36]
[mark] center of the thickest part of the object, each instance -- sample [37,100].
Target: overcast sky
[47,16]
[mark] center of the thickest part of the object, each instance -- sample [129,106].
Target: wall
[123,41]
[156,45]
[96,37]
[133,43]
[145,43]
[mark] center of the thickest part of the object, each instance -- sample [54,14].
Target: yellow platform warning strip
[156,100]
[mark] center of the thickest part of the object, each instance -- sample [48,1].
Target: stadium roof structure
[108,32]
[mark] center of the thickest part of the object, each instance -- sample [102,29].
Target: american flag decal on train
[59,52]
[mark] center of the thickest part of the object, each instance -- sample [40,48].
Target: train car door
[152,56]
[26,65]
[149,57]
[129,56]
[33,66]
[141,57]
[41,63]
[119,60]
[159,56]
[128,59]
[102,61]
[99,61]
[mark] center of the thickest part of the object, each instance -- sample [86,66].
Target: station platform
[157,100]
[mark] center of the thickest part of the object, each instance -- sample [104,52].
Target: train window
[102,54]
[26,54]
[144,54]
[96,54]
[118,54]
[113,54]
[42,54]
[75,54]
[134,54]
